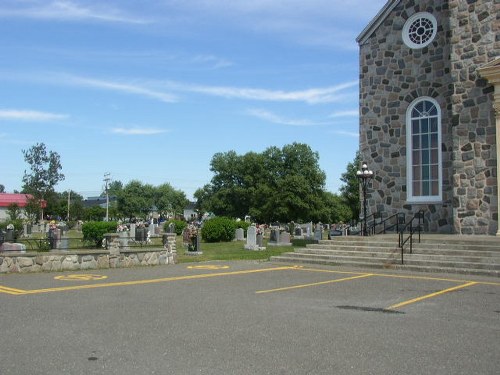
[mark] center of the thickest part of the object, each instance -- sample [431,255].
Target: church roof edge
[376,21]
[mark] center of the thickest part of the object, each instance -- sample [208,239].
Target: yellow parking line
[142,282]
[401,304]
[411,277]
[313,284]
[7,290]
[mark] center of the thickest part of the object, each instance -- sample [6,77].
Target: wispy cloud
[277,119]
[346,133]
[29,115]
[166,91]
[121,87]
[349,113]
[214,61]
[65,10]
[138,131]
[310,96]
[327,23]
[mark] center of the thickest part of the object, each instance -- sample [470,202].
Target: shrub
[94,231]
[179,226]
[218,229]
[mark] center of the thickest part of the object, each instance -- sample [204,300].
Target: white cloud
[152,89]
[346,133]
[276,119]
[214,61]
[28,115]
[138,131]
[122,87]
[65,10]
[310,96]
[349,113]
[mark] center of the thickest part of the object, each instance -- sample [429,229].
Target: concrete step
[387,265]
[435,253]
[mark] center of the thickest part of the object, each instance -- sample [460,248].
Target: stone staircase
[475,255]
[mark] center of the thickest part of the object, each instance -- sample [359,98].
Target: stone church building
[430,112]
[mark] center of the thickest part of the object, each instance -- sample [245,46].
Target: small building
[21,200]
[190,213]
[99,201]
[429,88]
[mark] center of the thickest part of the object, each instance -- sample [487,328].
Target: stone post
[491,72]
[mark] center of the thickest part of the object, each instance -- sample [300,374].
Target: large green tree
[276,185]
[136,199]
[45,171]
[169,200]
[350,190]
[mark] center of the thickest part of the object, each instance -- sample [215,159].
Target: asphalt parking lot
[248,318]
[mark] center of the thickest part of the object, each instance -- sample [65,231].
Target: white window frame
[428,18]
[411,198]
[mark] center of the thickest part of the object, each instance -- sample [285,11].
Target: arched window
[423,144]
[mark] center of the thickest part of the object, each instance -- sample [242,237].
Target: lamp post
[363,176]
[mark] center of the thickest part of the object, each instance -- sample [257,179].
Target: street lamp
[363,176]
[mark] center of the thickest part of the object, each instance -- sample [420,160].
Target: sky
[151,90]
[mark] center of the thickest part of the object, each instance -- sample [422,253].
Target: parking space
[371,289]
[249,318]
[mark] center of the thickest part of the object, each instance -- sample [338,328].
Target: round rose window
[419,30]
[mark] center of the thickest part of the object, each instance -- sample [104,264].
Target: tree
[59,205]
[45,171]
[33,209]
[2,188]
[136,199]
[276,185]
[14,211]
[350,191]
[169,200]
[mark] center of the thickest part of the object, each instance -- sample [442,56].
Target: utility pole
[69,202]
[106,182]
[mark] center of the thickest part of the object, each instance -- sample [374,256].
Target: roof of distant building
[6,199]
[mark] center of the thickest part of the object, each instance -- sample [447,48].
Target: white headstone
[239,234]
[251,238]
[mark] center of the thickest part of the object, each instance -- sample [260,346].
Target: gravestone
[171,228]
[9,235]
[252,239]
[279,239]
[318,232]
[239,234]
[185,236]
[274,237]
[285,239]
[140,234]
[298,233]
[63,243]
[132,230]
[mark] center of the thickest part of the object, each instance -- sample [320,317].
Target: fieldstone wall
[83,260]
[393,75]
[115,257]
[475,41]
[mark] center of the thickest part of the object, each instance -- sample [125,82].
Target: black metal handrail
[387,223]
[402,241]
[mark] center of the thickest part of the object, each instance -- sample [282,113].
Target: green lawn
[233,250]
[227,251]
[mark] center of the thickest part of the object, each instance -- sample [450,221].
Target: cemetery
[52,247]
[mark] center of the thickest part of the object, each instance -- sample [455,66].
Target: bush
[218,229]
[94,231]
[179,226]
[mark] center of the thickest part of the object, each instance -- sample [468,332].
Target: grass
[233,250]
